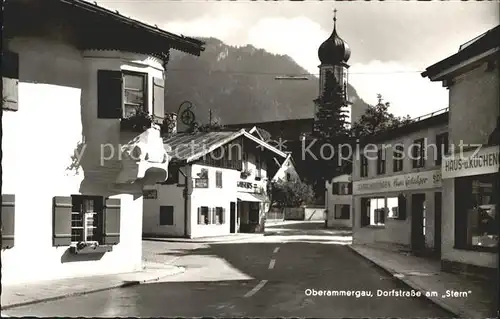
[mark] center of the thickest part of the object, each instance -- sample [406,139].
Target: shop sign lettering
[479,162]
[421,180]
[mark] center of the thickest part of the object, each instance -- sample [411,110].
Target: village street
[263,277]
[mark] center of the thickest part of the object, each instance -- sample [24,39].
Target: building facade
[81,212]
[397,199]
[217,188]
[338,202]
[470,172]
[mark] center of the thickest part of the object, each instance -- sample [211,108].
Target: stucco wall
[474,100]
[286,168]
[430,135]
[57,110]
[332,200]
[213,197]
[167,195]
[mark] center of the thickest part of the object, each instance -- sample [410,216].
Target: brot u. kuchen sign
[421,180]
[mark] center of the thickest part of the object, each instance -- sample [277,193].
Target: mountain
[238,84]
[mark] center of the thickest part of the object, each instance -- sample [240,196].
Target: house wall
[212,197]
[474,100]
[396,232]
[286,168]
[57,111]
[167,195]
[331,200]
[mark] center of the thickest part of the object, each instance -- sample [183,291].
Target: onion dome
[334,50]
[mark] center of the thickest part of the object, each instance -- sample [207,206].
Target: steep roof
[188,147]
[94,27]
[469,50]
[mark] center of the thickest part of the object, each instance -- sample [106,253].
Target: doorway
[418,223]
[232,217]
[438,202]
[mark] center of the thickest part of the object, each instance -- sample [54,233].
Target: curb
[199,241]
[410,284]
[123,284]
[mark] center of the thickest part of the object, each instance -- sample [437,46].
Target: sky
[391,42]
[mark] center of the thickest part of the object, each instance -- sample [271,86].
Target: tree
[331,118]
[293,193]
[378,119]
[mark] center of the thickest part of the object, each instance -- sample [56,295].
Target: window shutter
[8,220]
[111,229]
[199,215]
[401,207]
[212,215]
[335,188]
[10,80]
[223,216]
[158,100]
[61,221]
[109,94]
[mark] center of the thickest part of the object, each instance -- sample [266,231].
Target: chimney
[173,123]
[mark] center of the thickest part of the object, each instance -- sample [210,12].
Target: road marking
[256,288]
[271,264]
[276,250]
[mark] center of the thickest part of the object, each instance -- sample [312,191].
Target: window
[374,210]
[203,215]
[166,215]
[86,218]
[80,218]
[418,153]
[219,215]
[288,177]
[134,93]
[342,188]
[397,158]
[441,147]
[364,166]
[392,207]
[218,179]
[476,217]
[342,211]
[381,161]
[121,93]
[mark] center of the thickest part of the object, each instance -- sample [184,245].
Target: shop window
[418,153]
[342,211]
[397,158]
[441,147]
[377,211]
[476,204]
[203,215]
[254,213]
[219,215]
[363,170]
[381,161]
[166,215]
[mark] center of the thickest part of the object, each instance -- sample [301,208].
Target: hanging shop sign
[481,161]
[411,181]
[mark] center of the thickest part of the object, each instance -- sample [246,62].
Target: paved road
[264,278]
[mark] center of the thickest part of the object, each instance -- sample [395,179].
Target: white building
[70,72]
[216,186]
[338,202]
[471,188]
[397,187]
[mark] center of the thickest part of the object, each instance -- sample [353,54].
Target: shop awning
[248,197]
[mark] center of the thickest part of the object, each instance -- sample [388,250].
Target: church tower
[333,55]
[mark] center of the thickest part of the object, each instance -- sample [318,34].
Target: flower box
[91,249]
